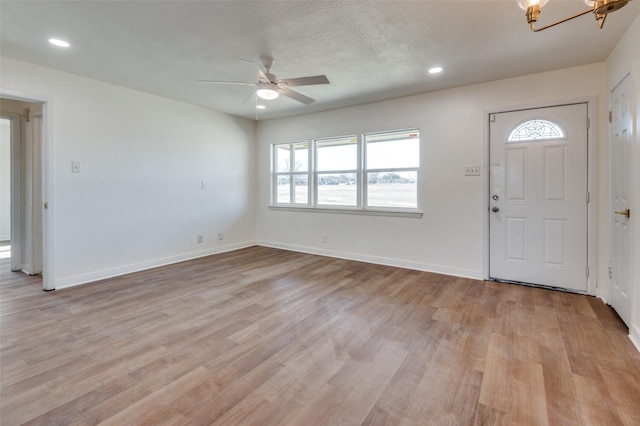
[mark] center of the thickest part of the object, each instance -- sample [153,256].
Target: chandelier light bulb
[525,4]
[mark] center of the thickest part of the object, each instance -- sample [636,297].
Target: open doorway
[21,179]
[5,187]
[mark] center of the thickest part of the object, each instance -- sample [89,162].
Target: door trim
[15,161]
[591,182]
[48,189]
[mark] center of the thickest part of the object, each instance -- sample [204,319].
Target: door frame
[591,181]
[47,176]
[15,162]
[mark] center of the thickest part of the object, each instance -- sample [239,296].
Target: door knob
[495,209]
[625,212]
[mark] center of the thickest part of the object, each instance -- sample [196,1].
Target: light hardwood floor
[268,337]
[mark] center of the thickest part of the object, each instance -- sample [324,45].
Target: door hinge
[492,118]
[588,197]
[610,116]
[588,271]
[588,122]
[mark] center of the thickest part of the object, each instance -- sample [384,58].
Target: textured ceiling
[369,50]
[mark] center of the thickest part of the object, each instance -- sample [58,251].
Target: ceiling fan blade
[306,81]
[262,77]
[251,99]
[296,96]
[241,83]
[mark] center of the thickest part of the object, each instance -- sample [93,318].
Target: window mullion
[315,174]
[391,169]
[274,175]
[362,172]
[292,185]
[310,173]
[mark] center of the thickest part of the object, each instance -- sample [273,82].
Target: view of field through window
[390,169]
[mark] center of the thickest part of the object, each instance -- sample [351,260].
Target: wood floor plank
[262,336]
[513,385]
[598,407]
[559,390]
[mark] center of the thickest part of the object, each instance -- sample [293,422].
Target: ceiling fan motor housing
[271,77]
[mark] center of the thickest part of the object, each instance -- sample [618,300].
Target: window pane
[301,157]
[301,186]
[338,189]
[393,150]
[337,154]
[392,189]
[283,158]
[283,189]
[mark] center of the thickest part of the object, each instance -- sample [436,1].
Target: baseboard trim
[378,260]
[90,277]
[634,336]
[602,294]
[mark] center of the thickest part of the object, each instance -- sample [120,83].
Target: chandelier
[599,8]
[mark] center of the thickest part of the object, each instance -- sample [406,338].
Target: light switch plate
[75,167]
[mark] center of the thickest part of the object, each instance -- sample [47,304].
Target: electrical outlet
[200,239]
[203,185]
[472,171]
[324,238]
[220,236]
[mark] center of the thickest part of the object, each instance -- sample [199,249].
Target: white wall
[137,202]
[623,60]
[449,238]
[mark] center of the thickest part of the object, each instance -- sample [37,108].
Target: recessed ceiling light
[260,106]
[435,70]
[58,42]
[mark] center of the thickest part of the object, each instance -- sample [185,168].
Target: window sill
[368,212]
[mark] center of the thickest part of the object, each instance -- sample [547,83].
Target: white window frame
[357,172]
[361,173]
[365,173]
[291,174]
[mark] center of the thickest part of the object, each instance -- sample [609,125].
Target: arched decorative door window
[535,130]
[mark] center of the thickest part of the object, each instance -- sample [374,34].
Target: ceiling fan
[269,87]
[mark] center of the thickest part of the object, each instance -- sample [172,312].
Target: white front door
[538,196]
[620,199]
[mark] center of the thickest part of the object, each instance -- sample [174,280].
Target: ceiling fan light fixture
[269,87]
[267,92]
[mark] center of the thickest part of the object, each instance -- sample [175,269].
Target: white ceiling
[369,50]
